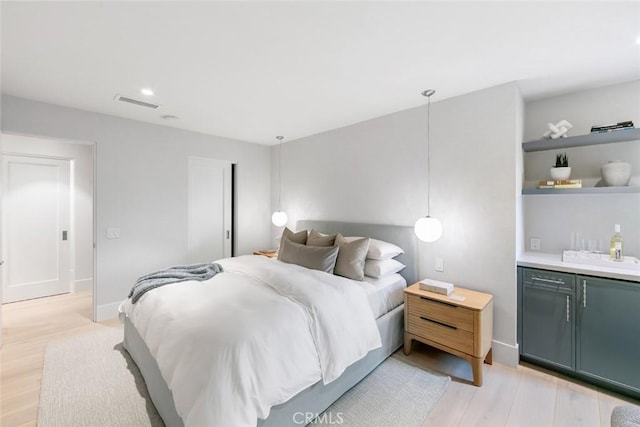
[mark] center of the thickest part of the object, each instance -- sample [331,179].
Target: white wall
[600,106]
[375,172]
[141,187]
[82,231]
[554,218]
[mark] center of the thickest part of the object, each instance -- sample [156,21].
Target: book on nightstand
[436,286]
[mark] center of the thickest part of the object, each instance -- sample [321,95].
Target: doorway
[209,209]
[47,218]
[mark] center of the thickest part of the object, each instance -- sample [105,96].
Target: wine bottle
[616,253]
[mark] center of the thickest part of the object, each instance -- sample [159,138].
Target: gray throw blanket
[179,273]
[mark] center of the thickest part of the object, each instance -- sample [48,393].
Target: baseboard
[82,285]
[505,354]
[107,311]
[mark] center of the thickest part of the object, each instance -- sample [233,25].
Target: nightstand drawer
[453,315]
[440,332]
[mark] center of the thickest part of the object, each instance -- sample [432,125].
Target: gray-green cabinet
[608,331]
[548,323]
[585,326]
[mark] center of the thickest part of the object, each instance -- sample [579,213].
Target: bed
[384,299]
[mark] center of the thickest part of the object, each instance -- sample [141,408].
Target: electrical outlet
[439,264]
[534,243]
[113,233]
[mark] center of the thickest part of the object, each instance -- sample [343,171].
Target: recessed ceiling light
[169,117]
[147,92]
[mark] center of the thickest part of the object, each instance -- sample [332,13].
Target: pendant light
[428,229]
[279,218]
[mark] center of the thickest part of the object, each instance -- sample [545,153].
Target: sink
[600,260]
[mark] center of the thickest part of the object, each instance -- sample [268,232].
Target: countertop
[554,262]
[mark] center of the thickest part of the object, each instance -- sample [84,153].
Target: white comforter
[252,337]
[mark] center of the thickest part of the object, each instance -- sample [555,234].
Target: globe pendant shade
[279,218]
[428,229]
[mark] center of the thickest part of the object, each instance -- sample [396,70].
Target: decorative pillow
[318,239]
[379,249]
[299,237]
[380,268]
[351,257]
[313,257]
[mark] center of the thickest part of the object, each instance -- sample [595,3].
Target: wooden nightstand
[462,328]
[267,253]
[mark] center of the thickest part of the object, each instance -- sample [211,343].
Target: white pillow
[379,249]
[380,268]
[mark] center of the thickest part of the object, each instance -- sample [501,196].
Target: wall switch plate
[439,264]
[534,243]
[113,233]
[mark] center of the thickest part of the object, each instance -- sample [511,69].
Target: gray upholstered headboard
[402,236]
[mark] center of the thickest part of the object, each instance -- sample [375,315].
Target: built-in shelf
[582,140]
[584,190]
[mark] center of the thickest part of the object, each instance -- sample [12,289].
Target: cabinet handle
[438,323]
[567,308]
[439,302]
[541,279]
[584,293]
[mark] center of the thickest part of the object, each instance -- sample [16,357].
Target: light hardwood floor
[508,397]
[27,327]
[521,397]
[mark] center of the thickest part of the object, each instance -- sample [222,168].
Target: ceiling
[254,70]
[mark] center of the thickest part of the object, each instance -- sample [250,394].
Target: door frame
[94,150]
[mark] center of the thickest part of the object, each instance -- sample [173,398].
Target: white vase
[616,173]
[559,174]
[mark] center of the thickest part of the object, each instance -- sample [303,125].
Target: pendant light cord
[428,155]
[279,170]
[428,93]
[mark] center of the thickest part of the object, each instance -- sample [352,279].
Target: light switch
[113,233]
[439,264]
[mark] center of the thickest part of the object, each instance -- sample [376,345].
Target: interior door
[35,224]
[209,209]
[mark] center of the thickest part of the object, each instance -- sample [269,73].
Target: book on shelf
[612,128]
[564,183]
[567,186]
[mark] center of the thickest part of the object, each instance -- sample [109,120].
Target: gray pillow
[318,239]
[299,237]
[351,258]
[313,257]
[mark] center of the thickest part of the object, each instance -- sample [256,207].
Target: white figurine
[559,130]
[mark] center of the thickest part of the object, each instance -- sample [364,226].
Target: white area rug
[396,393]
[91,381]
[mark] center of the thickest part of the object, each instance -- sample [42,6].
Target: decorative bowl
[559,174]
[616,173]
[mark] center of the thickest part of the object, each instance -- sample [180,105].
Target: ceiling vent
[135,102]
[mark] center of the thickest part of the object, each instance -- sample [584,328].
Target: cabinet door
[608,331]
[548,326]
[519,310]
